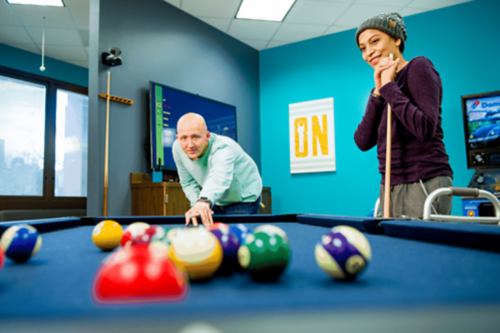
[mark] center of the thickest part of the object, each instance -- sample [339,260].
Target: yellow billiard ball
[107,235]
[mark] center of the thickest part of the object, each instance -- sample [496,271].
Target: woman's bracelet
[378,97]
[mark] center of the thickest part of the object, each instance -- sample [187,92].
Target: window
[43,142]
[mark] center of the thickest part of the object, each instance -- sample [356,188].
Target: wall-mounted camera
[112,58]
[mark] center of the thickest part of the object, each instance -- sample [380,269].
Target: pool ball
[139,274]
[218,225]
[265,256]
[343,253]
[171,234]
[240,231]
[2,257]
[230,245]
[21,242]
[107,235]
[271,229]
[132,230]
[196,251]
[148,235]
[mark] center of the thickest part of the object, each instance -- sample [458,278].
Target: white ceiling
[67,29]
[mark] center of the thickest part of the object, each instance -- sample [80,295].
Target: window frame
[48,200]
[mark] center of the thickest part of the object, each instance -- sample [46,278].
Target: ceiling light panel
[55,3]
[265,10]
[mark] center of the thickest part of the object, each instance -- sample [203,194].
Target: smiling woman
[413,89]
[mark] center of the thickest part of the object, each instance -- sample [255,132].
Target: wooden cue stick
[387,188]
[106,153]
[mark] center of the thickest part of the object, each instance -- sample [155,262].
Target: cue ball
[107,235]
[343,253]
[21,242]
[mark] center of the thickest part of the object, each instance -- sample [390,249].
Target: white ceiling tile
[315,12]
[81,17]
[13,34]
[212,8]
[77,3]
[356,14]
[249,29]
[293,32]
[432,4]
[256,44]
[6,16]
[336,28]
[26,47]
[176,3]
[55,17]
[219,23]
[407,11]
[396,3]
[275,43]
[56,36]
[81,63]
[65,52]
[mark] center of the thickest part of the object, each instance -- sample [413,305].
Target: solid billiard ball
[196,251]
[265,256]
[218,225]
[139,274]
[132,230]
[240,231]
[21,242]
[2,257]
[343,253]
[107,235]
[230,245]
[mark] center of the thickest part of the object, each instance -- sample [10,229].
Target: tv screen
[167,105]
[481,114]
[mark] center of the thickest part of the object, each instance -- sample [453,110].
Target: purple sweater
[418,150]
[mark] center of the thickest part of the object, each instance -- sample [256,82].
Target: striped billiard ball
[265,255]
[21,242]
[343,253]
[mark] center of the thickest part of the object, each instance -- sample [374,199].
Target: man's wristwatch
[205,199]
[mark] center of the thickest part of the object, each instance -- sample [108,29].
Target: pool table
[411,285]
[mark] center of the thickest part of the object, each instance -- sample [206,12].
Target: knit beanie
[392,24]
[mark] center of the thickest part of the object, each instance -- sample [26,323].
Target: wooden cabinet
[167,198]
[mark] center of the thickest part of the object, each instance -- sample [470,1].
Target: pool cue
[387,189]
[106,153]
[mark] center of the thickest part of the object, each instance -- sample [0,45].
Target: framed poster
[312,136]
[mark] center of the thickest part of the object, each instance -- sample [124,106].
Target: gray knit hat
[392,24]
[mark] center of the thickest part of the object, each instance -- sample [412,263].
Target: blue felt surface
[403,273]
[480,236]
[364,224]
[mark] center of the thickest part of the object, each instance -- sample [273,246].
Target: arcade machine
[481,115]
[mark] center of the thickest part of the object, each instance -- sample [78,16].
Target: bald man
[229,178]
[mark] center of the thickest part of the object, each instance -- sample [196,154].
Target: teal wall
[461,41]
[55,69]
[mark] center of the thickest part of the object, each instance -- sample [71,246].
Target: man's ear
[208,134]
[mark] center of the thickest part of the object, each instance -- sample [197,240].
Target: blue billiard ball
[240,231]
[21,242]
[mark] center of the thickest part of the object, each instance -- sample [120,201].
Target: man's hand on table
[201,209]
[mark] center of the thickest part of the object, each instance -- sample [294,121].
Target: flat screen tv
[167,105]
[481,114]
